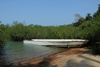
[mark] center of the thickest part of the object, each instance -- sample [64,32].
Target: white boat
[58,42]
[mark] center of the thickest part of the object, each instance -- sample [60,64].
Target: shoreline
[73,57]
[48,59]
[38,58]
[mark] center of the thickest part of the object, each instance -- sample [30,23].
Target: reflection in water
[2,61]
[17,51]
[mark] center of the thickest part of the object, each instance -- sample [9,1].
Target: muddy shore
[73,57]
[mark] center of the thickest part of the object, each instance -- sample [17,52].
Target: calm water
[18,51]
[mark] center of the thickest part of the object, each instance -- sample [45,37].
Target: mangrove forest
[84,28]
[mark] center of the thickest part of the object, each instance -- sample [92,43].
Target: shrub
[96,48]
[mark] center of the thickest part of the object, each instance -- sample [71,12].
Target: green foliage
[96,48]
[88,17]
[79,20]
[2,37]
[2,34]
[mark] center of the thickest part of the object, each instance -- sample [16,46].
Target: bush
[96,48]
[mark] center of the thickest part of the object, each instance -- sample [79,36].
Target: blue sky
[45,12]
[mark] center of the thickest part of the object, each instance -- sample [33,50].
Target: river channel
[18,51]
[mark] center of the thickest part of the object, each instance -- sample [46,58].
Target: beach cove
[73,57]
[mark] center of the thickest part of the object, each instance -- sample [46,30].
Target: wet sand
[73,57]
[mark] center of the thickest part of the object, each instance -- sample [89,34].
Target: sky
[45,12]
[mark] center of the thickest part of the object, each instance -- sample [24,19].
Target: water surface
[18,51]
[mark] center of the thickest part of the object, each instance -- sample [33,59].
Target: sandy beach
[73,57]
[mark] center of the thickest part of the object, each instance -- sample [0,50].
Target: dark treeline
[83,28]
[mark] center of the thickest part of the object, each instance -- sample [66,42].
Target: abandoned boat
[58,42]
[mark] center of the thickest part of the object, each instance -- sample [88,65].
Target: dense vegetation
[83,28]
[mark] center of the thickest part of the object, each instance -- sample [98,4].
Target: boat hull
[58,42]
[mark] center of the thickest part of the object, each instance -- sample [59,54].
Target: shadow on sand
[69,63]
[44,63]
[83,63]
[73,63]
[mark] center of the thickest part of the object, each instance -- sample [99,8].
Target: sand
[74,57]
